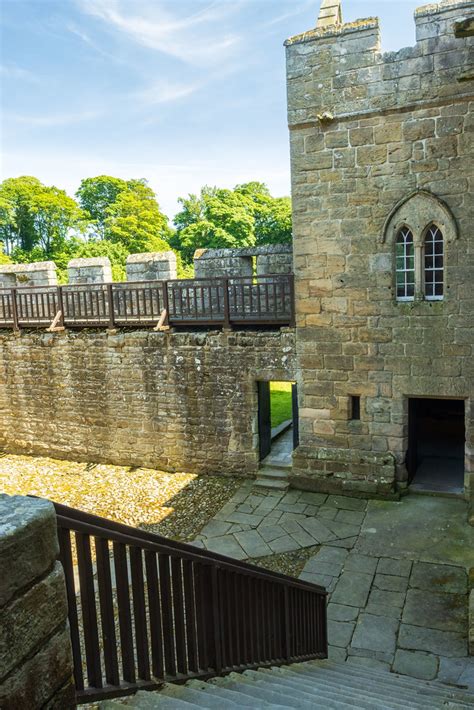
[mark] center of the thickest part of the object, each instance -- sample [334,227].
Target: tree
[17,198]
[135,220]
[33,215]
[96,195]
[242,217]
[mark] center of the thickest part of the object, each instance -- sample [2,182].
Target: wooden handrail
[144,609]
[225,302]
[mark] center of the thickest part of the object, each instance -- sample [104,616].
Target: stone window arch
[433,264]
[432,227]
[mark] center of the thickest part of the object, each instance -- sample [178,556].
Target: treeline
[113,217]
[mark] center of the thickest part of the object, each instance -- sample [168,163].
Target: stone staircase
[273,476]
[314,684]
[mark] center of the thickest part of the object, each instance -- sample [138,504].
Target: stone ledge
[28,542]
[368,23]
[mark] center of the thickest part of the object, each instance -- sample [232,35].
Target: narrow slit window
[434,264]
[355,407]
[405,265]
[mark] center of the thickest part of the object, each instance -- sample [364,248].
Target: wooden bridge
[221,302]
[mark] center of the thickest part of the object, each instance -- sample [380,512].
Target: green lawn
[280,402]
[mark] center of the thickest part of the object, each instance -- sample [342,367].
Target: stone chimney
[330,13]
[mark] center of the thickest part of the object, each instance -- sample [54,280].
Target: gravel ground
[176,505]
[290,563]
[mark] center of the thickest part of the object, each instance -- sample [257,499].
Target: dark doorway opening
[277,421]
[436,441]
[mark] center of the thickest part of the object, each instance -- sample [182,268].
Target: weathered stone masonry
[35,647]
[368,130]
[174,401]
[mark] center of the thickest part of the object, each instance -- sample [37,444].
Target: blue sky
[181,92]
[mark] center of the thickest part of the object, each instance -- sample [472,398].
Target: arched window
[405,265]
[434,264]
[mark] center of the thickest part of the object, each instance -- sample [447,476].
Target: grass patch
[280,402]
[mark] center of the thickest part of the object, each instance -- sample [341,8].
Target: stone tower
[382,182]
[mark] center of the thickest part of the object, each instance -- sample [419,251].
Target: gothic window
[434,264]
[405,265]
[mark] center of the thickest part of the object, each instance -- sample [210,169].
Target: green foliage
[115,217]
[35,216]
[242,217]
[135,221]
[95,196]
[281,405]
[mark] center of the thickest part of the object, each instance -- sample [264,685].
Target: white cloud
[163,92]
[53,120]
[196,38]
[15,72]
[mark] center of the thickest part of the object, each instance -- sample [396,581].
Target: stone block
[39,273]
[375,633]
[442,643]
[28,542]
[438,578]
[30,619]
[46,676]
[89,271]
[446,612]
[352,589]
[151,266]
[416,664]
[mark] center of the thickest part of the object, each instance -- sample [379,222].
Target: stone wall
[153,266]
[219,263]
[369,130]
[92,270]
[39,273]
[174,401]
[35,649]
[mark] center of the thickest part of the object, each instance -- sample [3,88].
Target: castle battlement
[340,69]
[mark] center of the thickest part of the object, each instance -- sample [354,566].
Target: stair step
[272,473]
[373,695]
[274,485]
[312,685]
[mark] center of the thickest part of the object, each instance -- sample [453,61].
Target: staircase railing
[144,609]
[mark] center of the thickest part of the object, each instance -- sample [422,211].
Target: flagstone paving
[396,573]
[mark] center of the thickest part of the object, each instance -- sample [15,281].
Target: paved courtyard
[396,572]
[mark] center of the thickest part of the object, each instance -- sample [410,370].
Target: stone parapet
[221,263]
[89,270]
[175,401]
[339,71]
[152,266]
[35,648]
[39,273]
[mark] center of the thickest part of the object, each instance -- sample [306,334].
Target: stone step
[272,472]
[374,694]
[313,685]
[274,484]
[332,696]
[392,681]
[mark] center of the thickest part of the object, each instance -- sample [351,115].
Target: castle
[377,323]
[382,170]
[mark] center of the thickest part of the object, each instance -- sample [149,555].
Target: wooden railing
[144,609]
[261,300]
